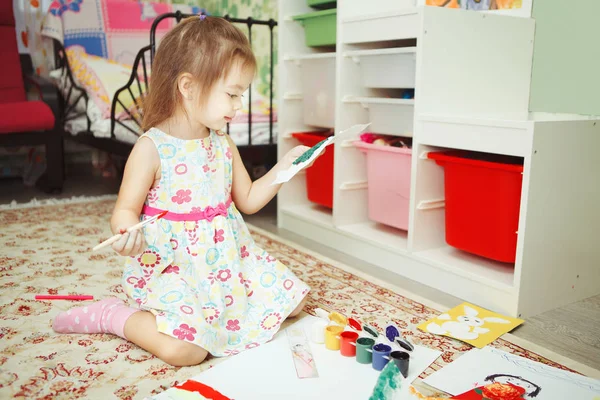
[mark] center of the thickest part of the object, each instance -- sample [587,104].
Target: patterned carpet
[47,250]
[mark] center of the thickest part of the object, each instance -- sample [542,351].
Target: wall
[257,9]
[566,57]
[29,15]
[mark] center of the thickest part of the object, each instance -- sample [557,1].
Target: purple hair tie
[202,17]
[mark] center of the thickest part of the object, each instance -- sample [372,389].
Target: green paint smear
[308,153]
[388,383]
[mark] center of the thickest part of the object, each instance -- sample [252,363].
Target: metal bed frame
[264,154]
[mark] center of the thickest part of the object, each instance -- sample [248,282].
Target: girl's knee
[182,354]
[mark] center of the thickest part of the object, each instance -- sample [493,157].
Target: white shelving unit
[471,75]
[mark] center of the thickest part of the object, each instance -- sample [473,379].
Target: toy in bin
[483,200]
[319,177]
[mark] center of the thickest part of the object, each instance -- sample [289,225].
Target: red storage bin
[483,199]
[319,177]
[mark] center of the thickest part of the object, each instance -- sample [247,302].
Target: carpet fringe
[50,202]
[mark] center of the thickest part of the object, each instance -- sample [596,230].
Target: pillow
[101,78]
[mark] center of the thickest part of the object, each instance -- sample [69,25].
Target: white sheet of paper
[268,372]
[471,369]
[352,132]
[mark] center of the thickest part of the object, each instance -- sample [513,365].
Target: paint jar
[381,354]
[364,348]
[332,337]
[402,360]
[317,332]
[348,343]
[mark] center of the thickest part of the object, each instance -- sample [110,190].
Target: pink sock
[104,316]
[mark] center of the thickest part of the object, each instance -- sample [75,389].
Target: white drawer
[386,68]
[398,25]
[355,8]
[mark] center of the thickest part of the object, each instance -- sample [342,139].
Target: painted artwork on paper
[471,324]
[493,374]
[477,5]
[391,385]
[502,387]
[444,3]
[493,4]
[191,390]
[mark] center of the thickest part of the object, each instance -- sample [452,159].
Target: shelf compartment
[393,239]
[320,27]
[375,66]
[388,115]
[482,199]
[311,213]
[382,26]
[319,176]
[389,178]
[488,272]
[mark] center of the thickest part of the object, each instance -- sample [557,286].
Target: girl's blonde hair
[204,47]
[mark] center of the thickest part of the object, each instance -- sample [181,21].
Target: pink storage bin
[388,174]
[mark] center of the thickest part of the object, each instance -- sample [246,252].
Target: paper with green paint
[350,133]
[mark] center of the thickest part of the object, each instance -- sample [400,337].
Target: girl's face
[529,388]
[225,98]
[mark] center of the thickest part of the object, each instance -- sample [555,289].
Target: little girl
[200,282]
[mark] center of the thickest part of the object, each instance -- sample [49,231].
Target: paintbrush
[116,237]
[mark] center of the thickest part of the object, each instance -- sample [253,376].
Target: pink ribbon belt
[209,213]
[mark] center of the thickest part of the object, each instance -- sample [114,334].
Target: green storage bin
[319,27]
[321,4]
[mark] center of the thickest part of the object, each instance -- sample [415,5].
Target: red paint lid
[354,324]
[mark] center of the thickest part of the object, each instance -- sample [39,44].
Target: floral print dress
[202,275]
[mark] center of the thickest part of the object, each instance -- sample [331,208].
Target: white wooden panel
[349,206]
[560,249]
[427,226]
[474,64]
[291,69]
[290,101]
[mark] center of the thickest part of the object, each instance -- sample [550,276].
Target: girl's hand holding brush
[130,241]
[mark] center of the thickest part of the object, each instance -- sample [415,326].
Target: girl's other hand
[130,244]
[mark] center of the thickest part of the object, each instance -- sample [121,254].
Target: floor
[572,331]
